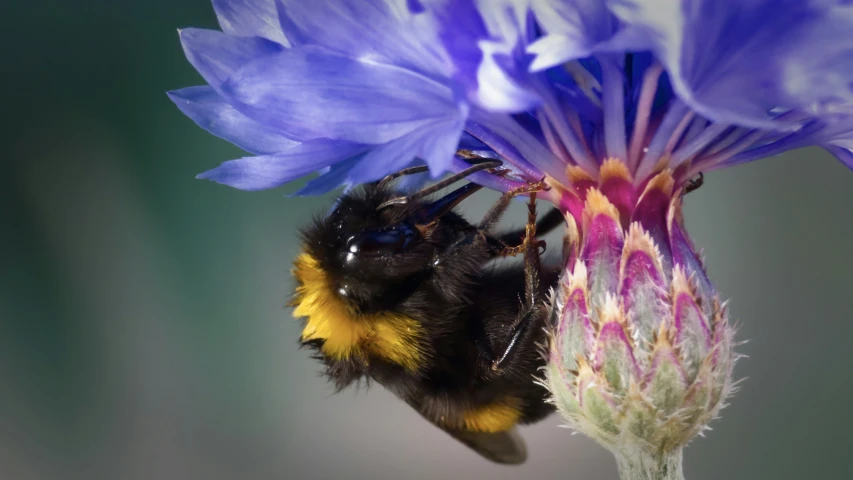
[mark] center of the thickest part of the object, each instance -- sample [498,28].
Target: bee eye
[380,242]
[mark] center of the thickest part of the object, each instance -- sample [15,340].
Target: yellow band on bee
[345,333]
[494,417]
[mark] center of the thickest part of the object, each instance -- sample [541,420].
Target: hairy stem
[639,464]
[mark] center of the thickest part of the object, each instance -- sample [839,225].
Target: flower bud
[640,357]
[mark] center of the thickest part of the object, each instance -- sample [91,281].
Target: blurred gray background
[142,327]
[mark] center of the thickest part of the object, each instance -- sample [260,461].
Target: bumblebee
[396,289]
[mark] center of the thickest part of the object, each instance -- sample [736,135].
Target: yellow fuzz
[663,163]
[584,374]
[639,240]
[557,185]
[345,334]
[598,204]
[577,174]
[578,279]
[665,337]
[611,311]
[681,284]
[613,168]
[662,181]
[495,417]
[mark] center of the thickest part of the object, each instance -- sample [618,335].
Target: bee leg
[495,213]
[517,335]
[532,291]
[511,251]
[551,220]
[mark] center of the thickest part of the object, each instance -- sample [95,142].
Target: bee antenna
[438,186]
[406,171]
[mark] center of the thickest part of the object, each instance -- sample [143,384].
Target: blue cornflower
[617,104]
[355,89]
[351,88]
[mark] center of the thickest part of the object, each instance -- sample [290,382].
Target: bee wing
[502,447]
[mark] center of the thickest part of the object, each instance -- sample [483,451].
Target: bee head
[368,251]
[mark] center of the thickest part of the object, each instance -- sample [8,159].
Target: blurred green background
[142,328]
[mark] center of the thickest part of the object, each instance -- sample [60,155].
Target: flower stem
[641,465]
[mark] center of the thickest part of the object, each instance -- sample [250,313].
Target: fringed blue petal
[736,61]
[250,18]
[217,56]
[269,171]
[308,92]
[381,30]
[212,113]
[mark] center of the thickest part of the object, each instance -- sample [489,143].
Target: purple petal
[438,147]
[210,111]
[330,178]
[643,292]
[734,61]
[573,96]
[693,335]
[576,29]
[819,69]
[651,213]
[666,381]
[503,149]
[311,93]
[459,27]
[602,244]
[622,194]
[488,50]
[615,357]
[217,56]
[515,144]
[684,255]
[435,148]
[613,104]
[845,154]
[498,90]
[469,142]
[382,30]
[832,130]
[269,171]
[250,18]
[585,20]
[556,49]
[396,155]
[575,333]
